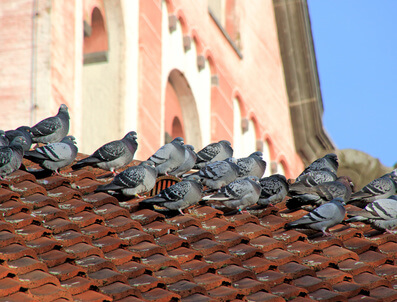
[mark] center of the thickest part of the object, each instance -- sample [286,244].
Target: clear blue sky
[356,50]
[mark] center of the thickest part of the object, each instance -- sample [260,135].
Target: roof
[61,241]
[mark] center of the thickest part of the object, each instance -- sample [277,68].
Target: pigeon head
[190,147]
[225,142]
[63,109]
[338,201]
[257,154]
[148,163]
[69,138]
[131,135]
[25,129]
[178,140]
[393,176]
[19,140]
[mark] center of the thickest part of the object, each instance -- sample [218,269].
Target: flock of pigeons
[211,175]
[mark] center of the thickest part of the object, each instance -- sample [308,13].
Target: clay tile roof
[61,241]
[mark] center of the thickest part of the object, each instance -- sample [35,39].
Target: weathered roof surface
[61,241]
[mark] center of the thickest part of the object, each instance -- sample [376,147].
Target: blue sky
[356,50]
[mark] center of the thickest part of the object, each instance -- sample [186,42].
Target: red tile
[19,176]
[373,259]
[12,207]
[216,225]
[389,249]
[82,250]
[32,232]
[384,294]
[95,263]
[54,181]
[380,239]
[6,226]
[76,175]
[110,211]
[248,286]
[99,199]
[371,281]
[317,262]
[62,194]
[205,213]
[387,271]
[43,244]
[252,230]
[171,242]
[350,289]
[122,223]
[60,225]
[7,272]
[289,236]
[196,267]
[207,247]
[292,215]
[132,269]
[301,249]
[193,234]
[355,267]
[327,296]
[322,242]
[363,298]
[146,216]
[146,249]
[245,251]
[49,292]
[333,276]
[134,236]
[171,275]
[281,256]
[132,205]
[86,185]
[241,219]
[119,291]
[160,295]
[272,222]
[37,278]
[66,271]
[197,298]
[158,228]
[37,201]
[339,254]
[266,244]
[288,291]
[220,259]
[74,206]
[6,195]
[54,258]
[84,219]
[91,296]
[210,281]
[7,238]
[158,261]
[97,231]
[295,270]
[120,256]
[182,222]
[71,237]
[19,296]
[21,220]
[224,293]
[311,283]
[16,251]
[344,232]
[271,278]
[186,288]
[9,286]
[359,245]
[235,273]
[27,188]
[264,297]
[230,239]
[25,265]
[106,276]
[48,213]
[258,265]
[107,244]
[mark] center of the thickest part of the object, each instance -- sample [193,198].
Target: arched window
[95,39]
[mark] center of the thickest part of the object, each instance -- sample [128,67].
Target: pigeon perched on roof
[314,178]
[188,163]
[113,155]
[218,174]
[21,131]
[322,218]
[273,189]
[328,162]
[320,194]
[253,165]
[52,129]
[214,152]
[179,196]
[379,188]
[238,194]
[11,156]
[3,139]
[381,214]
[54,156]
[169,157]
[132,181]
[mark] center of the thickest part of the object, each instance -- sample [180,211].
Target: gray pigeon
[113,155]
[11,156]
[188,163]
[320,194]
[21,131]
[52,129]
[253,165]
[3,139]
[169,157]
[328,162]
[322,218]
[214,152]
[218,174]
[381,214]
[314,178]
[380,188]
[179,196]
[273,189]
[54,156]
[238,194]
[133,180]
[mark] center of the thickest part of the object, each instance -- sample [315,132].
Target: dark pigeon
[218,174]
[21,131]
[11,156]
[188,163]
[273,189]
[214,152]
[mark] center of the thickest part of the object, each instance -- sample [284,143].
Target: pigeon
[322,218]
[54,156]
[381,214]
[320,194]
[238,194]
[133,181]
[11,156]
[188,163]
[380,188]
[313,178]
[169,157]
[218,174]
[21,131]
[253,165]
[179,196]
[3,139]
[328,162]
[52,129]
[214,152]
[113,155]
[273,189]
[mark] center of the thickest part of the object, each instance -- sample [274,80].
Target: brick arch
[237,95]
[96,36]
[197,41]
[182,20]
[211,61]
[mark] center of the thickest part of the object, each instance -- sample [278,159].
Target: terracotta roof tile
[371,281]
[19,296]
[12,207]
[327,295]
[311,283]
[258,264]
[55,257]
[288,291]
[350,289]
[9,286]
[170,275]
[49,292]
[230,239]
[220,259]
[224,293]
[119,290]
[120,256]
[197,267]
[171,242]
[384,294]
[293,270]
[158,228]
[216,225]
[133,269]
[206,246]
[252,230]
[160,295]
[159,261]
[91,296]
